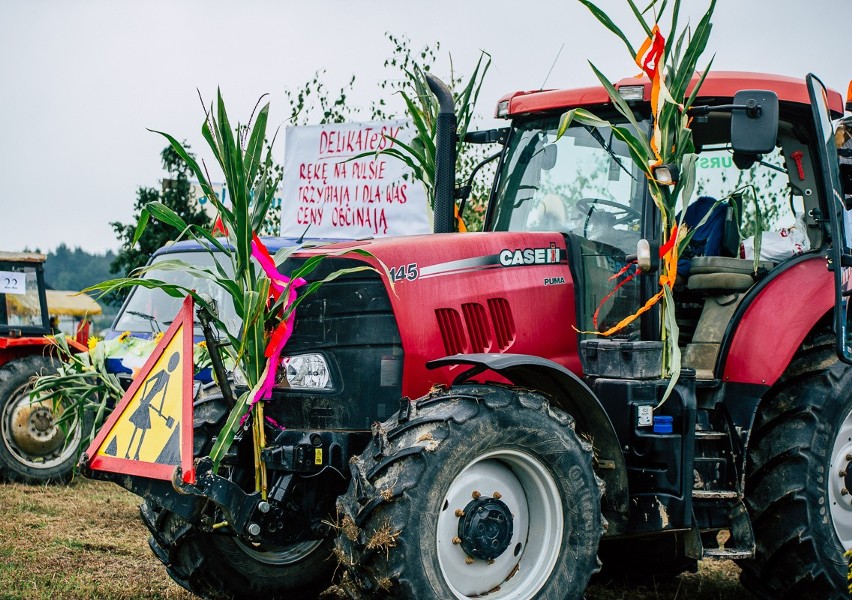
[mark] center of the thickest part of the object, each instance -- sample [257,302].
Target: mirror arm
[463,193]
[752,109]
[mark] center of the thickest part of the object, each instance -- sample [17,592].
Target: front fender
[568,392]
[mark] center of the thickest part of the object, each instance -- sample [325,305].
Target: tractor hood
[471,293]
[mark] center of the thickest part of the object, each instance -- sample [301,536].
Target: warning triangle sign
[150,431]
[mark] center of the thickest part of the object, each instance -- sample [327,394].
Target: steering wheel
[588,205]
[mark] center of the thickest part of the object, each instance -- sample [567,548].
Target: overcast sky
[80,81]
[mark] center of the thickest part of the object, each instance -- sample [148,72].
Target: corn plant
[671,65]
[264,300]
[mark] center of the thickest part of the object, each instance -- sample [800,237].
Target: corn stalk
[671,143]
[251,180]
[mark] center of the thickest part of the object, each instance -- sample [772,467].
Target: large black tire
[462,453]
[32,448]
[802,433]
[216,565]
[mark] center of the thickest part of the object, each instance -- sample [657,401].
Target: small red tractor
[454,436]
[32,447]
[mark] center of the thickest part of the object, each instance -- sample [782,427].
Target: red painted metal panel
[776,322]
[536,299]
[717,84]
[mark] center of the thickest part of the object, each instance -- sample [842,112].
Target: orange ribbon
[650,59]
[668,254]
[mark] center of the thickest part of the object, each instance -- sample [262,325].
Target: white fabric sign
[13,282]
[334,197]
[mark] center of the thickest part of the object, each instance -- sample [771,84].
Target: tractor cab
[759,189]
[23,303]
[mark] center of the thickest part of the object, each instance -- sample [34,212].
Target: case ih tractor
[32,447]
[453,436]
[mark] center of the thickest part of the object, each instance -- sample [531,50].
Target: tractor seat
[723,274]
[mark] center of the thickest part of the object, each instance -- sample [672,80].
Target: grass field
[86,541]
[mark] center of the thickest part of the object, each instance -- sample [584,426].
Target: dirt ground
[86,541]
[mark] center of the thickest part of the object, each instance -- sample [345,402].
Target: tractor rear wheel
[479,490]
[798,478]
[33,448]
[214,564]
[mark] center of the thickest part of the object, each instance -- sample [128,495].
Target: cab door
[840,219]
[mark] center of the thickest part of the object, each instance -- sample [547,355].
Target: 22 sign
[13,282]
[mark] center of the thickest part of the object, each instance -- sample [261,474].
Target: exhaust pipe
[445,157]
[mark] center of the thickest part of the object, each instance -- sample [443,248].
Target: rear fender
[568,392]
[758,345]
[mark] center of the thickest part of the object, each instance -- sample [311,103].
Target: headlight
[304,372]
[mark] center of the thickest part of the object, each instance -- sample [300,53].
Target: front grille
[351,322]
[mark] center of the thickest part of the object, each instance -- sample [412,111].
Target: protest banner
[329,194]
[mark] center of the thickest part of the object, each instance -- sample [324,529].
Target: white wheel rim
[20,399]
[839,498]
[530,492]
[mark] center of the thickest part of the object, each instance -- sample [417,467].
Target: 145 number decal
[407,272]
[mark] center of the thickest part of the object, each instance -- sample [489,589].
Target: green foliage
[422,108]
[252,181]
[81,385]
[68,269]
[314,104]
[175,193]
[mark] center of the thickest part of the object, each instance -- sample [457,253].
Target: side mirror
[754,122]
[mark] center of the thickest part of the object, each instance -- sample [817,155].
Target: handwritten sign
[332,195]
[13,282]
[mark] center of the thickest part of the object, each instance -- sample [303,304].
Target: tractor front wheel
[33,448]
[480,490]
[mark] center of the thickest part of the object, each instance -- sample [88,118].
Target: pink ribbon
[281,334]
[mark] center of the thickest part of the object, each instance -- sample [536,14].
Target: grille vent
[477,327]
[452,331]
[504,324]
[476,334]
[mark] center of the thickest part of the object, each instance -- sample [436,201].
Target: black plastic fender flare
[571,394]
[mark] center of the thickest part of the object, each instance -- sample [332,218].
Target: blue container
[663,424]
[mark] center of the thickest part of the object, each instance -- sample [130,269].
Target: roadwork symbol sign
[150,431]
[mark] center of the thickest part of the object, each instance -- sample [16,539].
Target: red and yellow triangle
[149,432]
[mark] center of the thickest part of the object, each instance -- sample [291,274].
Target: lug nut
[497,495]
[457,540]
[263,507]
[844,492]
[475,494]
[849,457]
[459,513]
[253,529]
[468,560]
[490,561]
[842,473]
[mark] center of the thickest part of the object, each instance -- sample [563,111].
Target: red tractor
[454,436]
[32,447]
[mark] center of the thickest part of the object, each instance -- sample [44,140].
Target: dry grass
[81,541]
[86,541]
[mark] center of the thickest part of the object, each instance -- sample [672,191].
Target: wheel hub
[34,430]
[486,528]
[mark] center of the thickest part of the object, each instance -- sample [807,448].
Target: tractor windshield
[584,183]
[150,311]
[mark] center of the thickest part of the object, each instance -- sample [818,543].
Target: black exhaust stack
[445,156]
